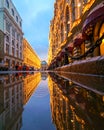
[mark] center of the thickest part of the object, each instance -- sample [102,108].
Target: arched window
[102,44]
[20,24]
[8,27]
[7,3]
[12,42]
[67,20]
[17,18]
[12,12]
[62,33]
[85,1]
[7,39]
[73,10]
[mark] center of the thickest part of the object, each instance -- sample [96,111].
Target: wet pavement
[51,101]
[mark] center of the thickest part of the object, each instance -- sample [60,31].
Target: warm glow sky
[36,16]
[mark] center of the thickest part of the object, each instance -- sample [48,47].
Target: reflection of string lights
[68,22]
[79,4]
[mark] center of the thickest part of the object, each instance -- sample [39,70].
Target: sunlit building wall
[11,26]
[30,58]
[30,84]
[67,25]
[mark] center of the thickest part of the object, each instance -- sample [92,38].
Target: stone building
[44,65]
[11,27]
[30,58]
[75,30]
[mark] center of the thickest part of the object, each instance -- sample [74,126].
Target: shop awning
[70,49]
[78,42]
[62,53]
[93,17]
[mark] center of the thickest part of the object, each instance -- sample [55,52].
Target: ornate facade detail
[72,18]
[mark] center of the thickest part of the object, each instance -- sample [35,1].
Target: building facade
[30,58]
[75,30]
[44,65]
[11,27]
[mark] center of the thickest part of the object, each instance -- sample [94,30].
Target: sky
[36,16]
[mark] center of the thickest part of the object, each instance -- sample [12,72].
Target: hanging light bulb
[79,4]
[102,41]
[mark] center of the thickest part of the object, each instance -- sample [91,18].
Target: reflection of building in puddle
[74,107]
[11,103]
[90,82]
[42,90]
[44,75]
[30,84]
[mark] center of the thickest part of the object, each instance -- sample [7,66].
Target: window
[62,33]
[7,39]
[20,55]
[12,51]
[13,32]
[17,18]
[7,94]
[85,1]
[67,20]
[73,10]
[8,27]
[18,37]
[13,93]
[7,48]
[12,12]
[20,24]
[17,53]
[20,48]
[102,44]
[17,44]
[12,42]
[7,3]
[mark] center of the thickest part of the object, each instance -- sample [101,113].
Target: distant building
[30,58]
[11,35]
[44,65]
[44,75]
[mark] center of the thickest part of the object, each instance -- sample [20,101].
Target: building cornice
[12,19]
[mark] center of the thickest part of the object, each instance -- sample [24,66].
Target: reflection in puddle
[15,90]
[11,102]
[74,107]
[25,102]
[92,82]
[30,85]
